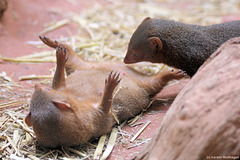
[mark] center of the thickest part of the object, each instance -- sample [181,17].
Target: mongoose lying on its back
[176,44]
[81,106]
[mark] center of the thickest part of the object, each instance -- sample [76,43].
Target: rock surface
[204,120]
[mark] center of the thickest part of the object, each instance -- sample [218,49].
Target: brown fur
[176,44]
[80,107]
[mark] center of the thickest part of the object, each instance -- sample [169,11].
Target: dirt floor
[25,20]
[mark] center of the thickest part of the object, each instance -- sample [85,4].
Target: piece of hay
[76,152]
[110,144]
[99,148]
[55,26]
[133,120]
[10,104]
[28,60]
[30,77]
[140,131]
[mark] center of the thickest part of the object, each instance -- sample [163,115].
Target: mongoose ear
[146,19]
[155,43]
[28,120]
[61,104]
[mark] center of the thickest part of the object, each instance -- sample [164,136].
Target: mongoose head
[54,120]
[144,45]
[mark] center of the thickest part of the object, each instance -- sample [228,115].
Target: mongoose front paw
[112,80]
[61,55]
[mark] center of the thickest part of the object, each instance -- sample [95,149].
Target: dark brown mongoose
[184,46]
[81,106]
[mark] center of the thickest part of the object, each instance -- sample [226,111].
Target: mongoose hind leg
[156,83]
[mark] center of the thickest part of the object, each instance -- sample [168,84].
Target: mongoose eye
[136,55]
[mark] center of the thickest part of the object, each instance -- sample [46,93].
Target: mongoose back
[81,106]
[184,46]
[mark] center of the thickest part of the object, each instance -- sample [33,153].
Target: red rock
[204,119]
